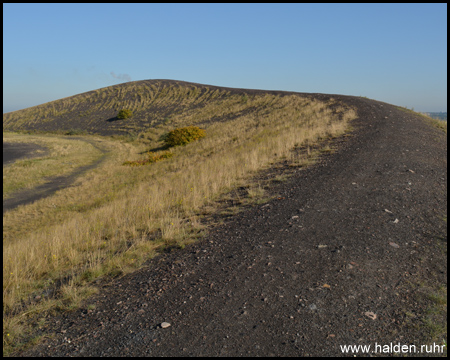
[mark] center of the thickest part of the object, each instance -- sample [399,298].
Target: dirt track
[53,184]
[15,151]
[301,275]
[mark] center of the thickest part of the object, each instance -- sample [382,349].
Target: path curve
[52,184]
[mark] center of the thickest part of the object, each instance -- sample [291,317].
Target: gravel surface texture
[335,259]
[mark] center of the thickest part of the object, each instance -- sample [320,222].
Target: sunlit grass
[64,156]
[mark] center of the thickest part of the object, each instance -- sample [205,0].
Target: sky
[396,53]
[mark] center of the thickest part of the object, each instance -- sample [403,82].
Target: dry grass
[118,216]
[63,157]
[440,124]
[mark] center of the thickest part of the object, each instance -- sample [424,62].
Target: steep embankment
[352,252]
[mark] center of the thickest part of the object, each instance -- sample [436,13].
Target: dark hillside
[152,102]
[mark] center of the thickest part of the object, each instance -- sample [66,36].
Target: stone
[371,315]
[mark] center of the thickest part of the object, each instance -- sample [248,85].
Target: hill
[153,103]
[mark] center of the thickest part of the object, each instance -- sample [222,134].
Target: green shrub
[183,136]
[124,114]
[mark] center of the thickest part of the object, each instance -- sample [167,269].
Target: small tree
[124,114]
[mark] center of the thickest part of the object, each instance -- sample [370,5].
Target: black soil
[359,233]
[15,151]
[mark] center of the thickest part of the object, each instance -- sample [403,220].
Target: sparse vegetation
[152,158]
[436,122]
[440,124]
[433,324]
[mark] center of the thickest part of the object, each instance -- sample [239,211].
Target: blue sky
[395,53]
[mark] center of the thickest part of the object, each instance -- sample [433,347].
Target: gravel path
[335,260]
